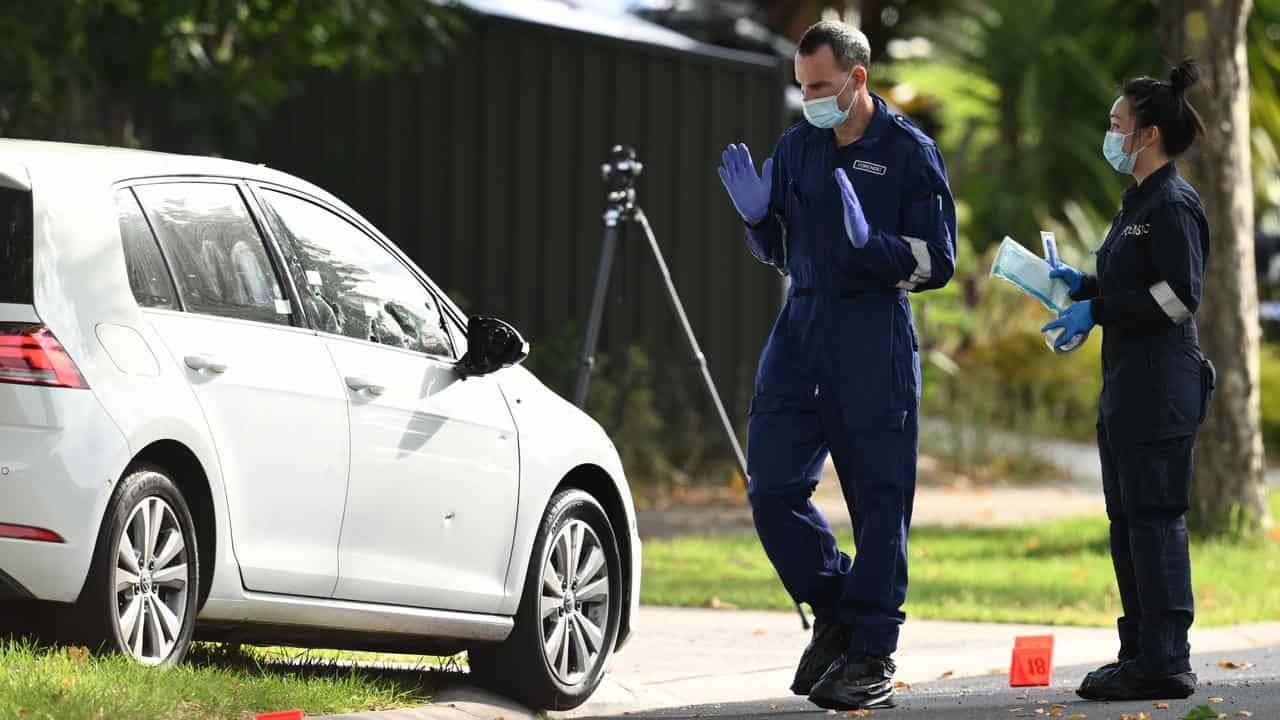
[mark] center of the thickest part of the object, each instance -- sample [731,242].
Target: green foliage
[1056,573]
[71,63]
[1201,712]
[1264,110]
[661,436]
[1270,392]
[987,369]
[1025,91]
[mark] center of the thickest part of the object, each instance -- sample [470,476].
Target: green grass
[215,682]
[1057,573]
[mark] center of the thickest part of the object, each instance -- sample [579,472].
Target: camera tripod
[620,173]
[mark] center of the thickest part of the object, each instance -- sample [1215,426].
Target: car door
[272,399]
[431,505]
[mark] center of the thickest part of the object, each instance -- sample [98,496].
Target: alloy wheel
[574,602]
[151,581]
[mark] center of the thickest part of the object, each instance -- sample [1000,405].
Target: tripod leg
[678,308]
[591,335]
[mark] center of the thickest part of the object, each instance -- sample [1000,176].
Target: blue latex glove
[1070,275]
[748,191]
[1075,320]
[855,223]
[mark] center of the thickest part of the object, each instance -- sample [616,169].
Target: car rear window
[15,247]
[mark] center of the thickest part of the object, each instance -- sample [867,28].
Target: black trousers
[1148,491]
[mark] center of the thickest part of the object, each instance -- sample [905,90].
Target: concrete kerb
[460,703]
[685,656]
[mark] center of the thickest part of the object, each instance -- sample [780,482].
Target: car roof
[114,164]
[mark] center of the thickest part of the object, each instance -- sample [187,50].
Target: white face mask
[825,112]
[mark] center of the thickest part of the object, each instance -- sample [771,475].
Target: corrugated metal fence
[486,170]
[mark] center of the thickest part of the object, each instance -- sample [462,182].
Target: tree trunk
[1228,494]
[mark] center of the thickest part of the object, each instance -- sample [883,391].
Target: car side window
[353,285]
[148,276]
[219,260]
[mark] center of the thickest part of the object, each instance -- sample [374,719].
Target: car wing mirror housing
[491,345]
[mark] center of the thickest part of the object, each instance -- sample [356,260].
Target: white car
[231,409]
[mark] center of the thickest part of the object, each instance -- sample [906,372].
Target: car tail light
[23,532]
[31,355]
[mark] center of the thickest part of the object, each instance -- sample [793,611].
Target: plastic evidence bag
[1030,274]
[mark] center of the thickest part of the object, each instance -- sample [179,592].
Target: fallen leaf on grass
[946,674]
[78,655]
[1274,534]
[68,682]
[1033,542]
[1228,665]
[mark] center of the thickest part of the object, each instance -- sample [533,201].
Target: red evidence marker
[1032,661]
[283,715]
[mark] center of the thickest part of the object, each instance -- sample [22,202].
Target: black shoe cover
[830,640]
[856,682]
[1129,681]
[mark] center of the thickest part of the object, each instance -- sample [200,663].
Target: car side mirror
[491,345]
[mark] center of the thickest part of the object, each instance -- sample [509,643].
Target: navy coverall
[840,373]
[1155,391]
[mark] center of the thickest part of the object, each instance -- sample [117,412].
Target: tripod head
[620,172]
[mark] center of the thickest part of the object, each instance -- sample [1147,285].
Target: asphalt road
[1255,690]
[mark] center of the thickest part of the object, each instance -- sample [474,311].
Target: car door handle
[366,387]
[205,363]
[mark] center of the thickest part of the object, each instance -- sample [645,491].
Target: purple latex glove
[748,191]
[855,223]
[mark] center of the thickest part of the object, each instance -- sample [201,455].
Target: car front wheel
[567,624]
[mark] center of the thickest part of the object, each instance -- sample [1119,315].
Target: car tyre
[567,625]
[140,597]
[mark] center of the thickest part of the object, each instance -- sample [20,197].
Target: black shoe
[1129,681]
[830,640]
[856,682]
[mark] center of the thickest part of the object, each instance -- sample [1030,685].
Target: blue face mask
[825,112]
[1113,151]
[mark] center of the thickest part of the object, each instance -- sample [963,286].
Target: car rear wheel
[567,624]
[140,599]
